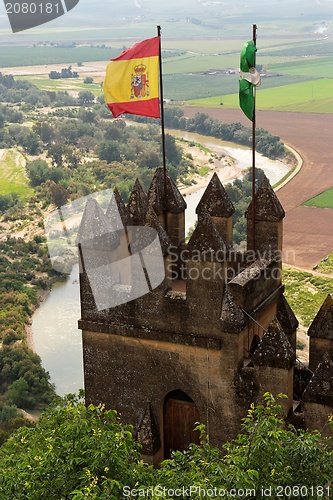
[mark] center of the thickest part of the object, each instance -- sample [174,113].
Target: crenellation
[269,215]
[216,202]
[321,333]
[209,336]
[137,205]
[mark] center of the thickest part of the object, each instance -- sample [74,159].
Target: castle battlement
[208,337]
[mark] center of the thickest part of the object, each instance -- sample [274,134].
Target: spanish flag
[131,80]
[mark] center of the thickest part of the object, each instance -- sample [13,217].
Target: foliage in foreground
[73,452]
[78,452]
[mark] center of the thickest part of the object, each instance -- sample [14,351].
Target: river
[56,337]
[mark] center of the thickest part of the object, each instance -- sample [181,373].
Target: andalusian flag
[131,81]
[249,79]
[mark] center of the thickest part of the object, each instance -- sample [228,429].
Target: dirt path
[308,231]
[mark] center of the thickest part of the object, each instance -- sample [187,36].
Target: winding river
[56,337]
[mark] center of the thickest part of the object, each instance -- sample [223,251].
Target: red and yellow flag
[131,80]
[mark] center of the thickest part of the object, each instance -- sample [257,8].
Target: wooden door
[179,421]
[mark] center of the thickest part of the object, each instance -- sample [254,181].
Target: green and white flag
[250,78]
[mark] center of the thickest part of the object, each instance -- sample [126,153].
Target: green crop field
[322,200]
[69,84]
[314,96]
[13,178]
[32,56]
[317,67]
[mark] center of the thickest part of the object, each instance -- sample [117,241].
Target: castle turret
[321,334]
[137,205]
[171,212]
[232,317]
[318,397]
[216,202]
[287,320]
[117,212]
[274,364]
[205,270]
[268,220]
[148,435]
[180,351]
[98,244]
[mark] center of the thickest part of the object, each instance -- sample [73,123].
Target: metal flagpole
[254,153]
[163,131]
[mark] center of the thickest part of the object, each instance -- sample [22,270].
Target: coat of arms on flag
[140,82]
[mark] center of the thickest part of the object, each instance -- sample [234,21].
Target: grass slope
[13,178]
[305,293]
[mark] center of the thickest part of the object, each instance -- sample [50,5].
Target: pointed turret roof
[207,240]
[322,325]
[148,435]
[320,388]
[137,205]
[267,204]
[156,194]
[285,316]
[96,229]
[215,200]
[153,221]
[117,212]
[232,317]
[274,349]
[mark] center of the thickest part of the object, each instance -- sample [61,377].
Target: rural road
[308,231]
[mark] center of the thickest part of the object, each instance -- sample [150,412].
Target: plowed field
[308,231]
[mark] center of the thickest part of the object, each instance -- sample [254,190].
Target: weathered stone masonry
[213,336]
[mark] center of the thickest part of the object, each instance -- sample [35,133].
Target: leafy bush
[73,452]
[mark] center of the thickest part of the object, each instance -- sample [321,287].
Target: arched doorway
[180,415]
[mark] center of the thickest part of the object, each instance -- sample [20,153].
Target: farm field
[70,84]
[32,55]
[313,96]
[13,178]
[322,200]
[198,68]
[307,231]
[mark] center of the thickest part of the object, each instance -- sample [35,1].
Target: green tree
[86,98]
[109,151]
[73,452]
[18,394]
[266,454]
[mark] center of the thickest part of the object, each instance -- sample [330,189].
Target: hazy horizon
[208,17]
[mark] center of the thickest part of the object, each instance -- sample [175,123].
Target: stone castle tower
[212,337]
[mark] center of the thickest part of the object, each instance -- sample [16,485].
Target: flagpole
[254,153]
[163,130]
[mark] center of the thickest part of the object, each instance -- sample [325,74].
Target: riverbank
[230,161]
[215,160]
[42,295]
